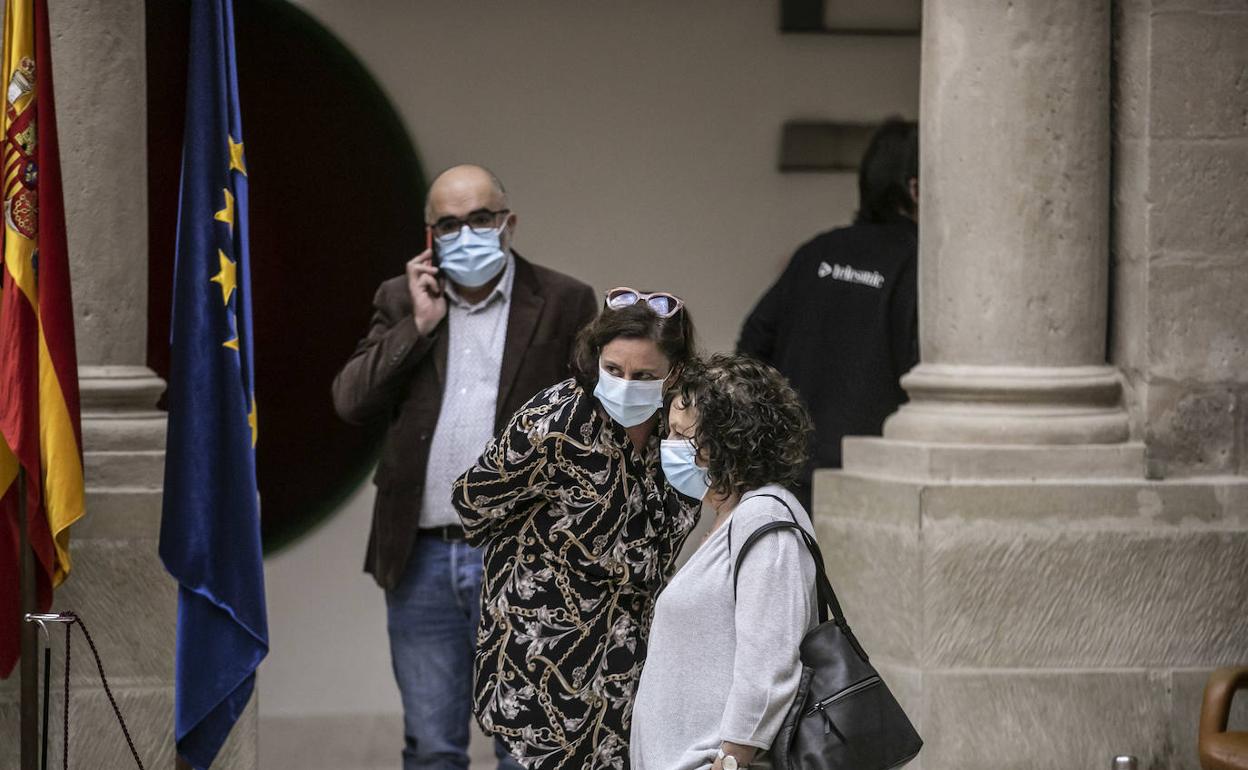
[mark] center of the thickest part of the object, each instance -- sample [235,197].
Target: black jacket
[842,324]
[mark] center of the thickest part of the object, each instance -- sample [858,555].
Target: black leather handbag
[844,716]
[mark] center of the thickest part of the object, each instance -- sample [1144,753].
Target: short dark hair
[752,427]
[673,336]
[890,162]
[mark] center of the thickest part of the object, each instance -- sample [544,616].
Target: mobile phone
[429,244]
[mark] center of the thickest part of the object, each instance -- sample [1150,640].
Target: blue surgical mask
[629,402]
[471,259]
[679,460]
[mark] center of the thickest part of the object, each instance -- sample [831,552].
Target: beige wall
[639,142]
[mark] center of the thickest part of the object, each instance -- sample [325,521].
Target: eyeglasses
[663,304]
[480,222]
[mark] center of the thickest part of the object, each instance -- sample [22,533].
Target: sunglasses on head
[663,304]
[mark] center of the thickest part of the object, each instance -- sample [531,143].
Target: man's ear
[509,230]
[913,186]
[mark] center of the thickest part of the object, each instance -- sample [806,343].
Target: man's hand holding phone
[425,286]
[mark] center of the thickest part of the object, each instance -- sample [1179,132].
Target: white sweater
[723,670]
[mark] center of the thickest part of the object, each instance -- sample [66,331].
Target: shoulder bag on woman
[844,717]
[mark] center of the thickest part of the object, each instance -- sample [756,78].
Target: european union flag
[210,529]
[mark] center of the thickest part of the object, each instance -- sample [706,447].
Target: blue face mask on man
[680,466]
[470,258]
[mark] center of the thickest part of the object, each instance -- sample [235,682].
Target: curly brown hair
[752,427]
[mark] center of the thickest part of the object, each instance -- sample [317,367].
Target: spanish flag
[39,415]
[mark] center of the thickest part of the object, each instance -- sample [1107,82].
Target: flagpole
[30,634]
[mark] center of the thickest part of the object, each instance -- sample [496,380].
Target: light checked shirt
[474,360]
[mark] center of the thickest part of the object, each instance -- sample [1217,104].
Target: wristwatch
[728,761]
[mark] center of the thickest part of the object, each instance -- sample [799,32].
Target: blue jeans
[432,619]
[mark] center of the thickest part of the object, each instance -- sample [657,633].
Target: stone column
[118,583]
[1014,223]
[1030,596]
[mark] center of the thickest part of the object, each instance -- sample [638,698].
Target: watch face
[730,762]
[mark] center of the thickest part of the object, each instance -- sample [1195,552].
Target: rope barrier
[70,619]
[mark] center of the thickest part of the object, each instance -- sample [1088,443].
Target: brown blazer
[397,374]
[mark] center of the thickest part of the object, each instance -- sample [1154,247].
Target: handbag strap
[823,586]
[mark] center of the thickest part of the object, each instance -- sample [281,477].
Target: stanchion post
[30,635]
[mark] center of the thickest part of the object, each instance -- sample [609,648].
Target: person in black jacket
[842,321]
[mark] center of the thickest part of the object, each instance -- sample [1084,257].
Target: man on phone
[456,345]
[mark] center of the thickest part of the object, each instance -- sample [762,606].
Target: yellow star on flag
[236,157]
[251,420]
[231,343]
[227,214]
[228,277]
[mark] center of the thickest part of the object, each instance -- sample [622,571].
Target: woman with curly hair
[722,671]
[580,530]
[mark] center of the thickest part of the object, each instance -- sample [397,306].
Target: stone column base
[123,436]
[1011,405]
[920,461]
[1039,623]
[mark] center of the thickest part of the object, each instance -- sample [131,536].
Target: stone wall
[1051,624]
[1042,596]
[1181,230]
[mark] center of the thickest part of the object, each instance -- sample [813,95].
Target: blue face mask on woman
[679,460]
[628,402]
[471,259]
